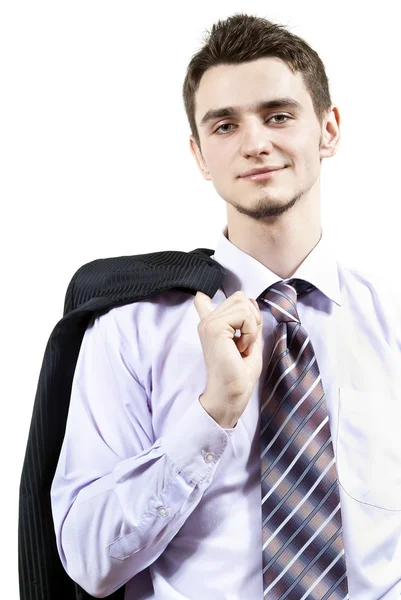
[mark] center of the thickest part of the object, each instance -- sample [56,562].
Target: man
[178,414]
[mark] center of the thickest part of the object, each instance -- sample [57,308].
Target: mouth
[263,176]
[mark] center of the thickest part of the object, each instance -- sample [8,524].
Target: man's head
[248,61]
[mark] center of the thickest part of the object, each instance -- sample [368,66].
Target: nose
[256,138]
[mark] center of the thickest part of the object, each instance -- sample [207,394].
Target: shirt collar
[243,272]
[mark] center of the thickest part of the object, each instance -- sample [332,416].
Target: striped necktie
[303,552]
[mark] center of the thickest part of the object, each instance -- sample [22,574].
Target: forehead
[247,84]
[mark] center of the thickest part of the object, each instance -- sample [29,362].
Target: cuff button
[209,457]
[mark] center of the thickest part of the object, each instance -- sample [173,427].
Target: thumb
[203,304]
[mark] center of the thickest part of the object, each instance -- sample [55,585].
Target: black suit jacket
[96,287]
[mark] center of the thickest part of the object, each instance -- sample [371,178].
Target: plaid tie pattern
[303,552]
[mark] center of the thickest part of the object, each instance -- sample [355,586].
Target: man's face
[284,136]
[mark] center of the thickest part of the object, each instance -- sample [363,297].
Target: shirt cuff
[197,443]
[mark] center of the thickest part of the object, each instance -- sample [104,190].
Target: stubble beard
[268,208]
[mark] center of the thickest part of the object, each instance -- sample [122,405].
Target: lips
[264,176]
[261,170]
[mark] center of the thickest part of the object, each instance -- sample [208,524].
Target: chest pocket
[369,446]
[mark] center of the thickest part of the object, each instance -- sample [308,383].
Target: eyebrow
[232,111]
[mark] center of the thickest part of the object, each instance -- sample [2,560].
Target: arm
[119,496]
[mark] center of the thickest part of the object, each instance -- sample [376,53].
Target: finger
[249,332]
[256,309]
[203,304]
[248,350]
[254,335]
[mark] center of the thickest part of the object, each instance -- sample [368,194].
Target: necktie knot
[281,297]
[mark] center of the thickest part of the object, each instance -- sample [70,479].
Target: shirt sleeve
[118,496]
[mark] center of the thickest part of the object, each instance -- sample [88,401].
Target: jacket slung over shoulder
[96,287]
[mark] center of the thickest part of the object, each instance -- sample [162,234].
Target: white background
[95,161]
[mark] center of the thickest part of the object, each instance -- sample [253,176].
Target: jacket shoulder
[140,273]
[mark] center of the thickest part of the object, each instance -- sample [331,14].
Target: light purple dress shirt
[151,492]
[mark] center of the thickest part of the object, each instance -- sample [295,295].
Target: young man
[263,465]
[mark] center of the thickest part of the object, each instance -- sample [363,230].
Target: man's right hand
[233,364]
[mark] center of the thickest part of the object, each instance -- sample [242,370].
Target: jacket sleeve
[118,496]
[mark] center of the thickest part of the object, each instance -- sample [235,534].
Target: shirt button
[209,457]
[162,511]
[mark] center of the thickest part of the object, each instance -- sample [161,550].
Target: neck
[281,244]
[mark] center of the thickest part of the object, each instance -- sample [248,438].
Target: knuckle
[205,325]
[201,325]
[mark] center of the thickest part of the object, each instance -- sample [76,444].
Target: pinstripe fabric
[96,286]
[303,553]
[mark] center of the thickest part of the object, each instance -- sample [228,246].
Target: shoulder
[374,293]
[144,321]
[376,283]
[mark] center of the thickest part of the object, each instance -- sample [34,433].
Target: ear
[330,136]
[200,161]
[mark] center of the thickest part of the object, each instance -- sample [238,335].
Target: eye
[285,117]
[230,124]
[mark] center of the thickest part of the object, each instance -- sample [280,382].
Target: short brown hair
[243,38]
